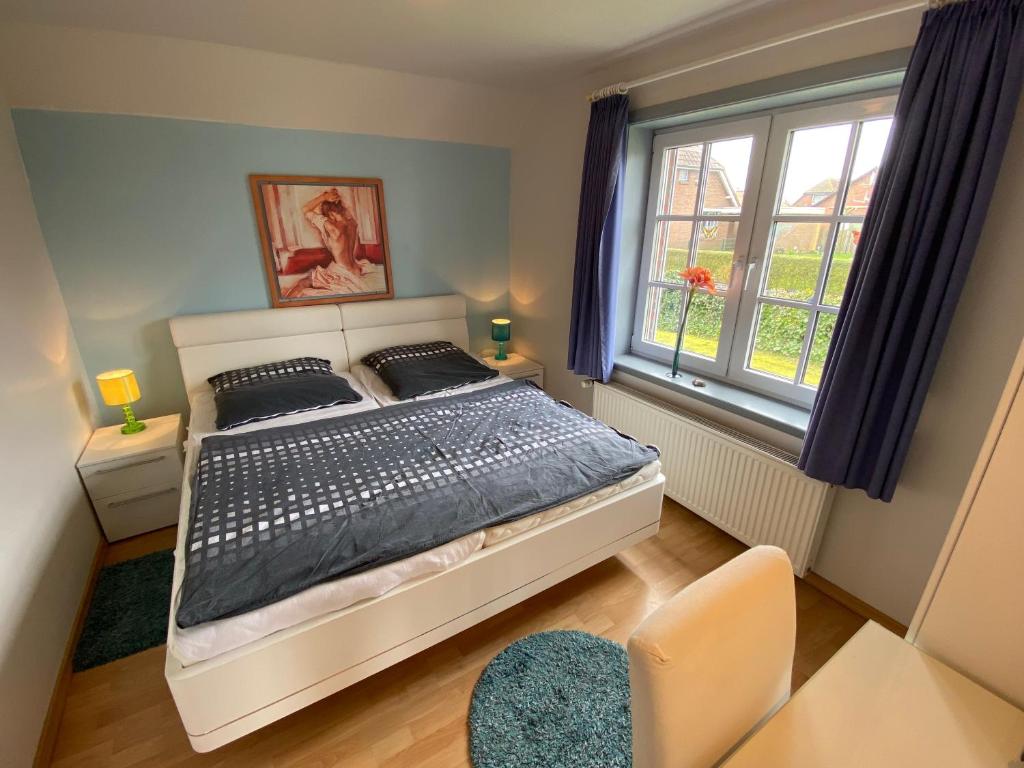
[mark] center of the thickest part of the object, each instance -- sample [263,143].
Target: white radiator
[746,487]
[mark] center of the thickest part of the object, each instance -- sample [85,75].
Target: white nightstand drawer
[145,509]
[132,473]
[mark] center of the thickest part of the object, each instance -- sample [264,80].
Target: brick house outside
[680,192]
[821,198]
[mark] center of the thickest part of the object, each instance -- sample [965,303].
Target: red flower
[699,277]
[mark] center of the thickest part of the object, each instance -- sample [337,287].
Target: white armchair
[712,663]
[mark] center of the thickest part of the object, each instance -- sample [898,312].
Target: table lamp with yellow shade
[120,388]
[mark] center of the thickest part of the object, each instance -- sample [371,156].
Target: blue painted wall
[146,218]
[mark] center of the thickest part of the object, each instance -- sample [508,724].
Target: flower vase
[679,333]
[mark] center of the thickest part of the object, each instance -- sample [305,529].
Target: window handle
[750,271]
[737,263]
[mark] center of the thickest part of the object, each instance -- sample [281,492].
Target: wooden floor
[414,714]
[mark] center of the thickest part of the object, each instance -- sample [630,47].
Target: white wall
[48,534]
[110,72]
[881,553]
[542,239]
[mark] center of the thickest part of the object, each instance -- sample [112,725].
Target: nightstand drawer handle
[143,497]
[154,460]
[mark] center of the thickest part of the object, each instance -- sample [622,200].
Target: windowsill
[787,418]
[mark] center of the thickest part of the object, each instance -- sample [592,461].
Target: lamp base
[501,352]
[131,424]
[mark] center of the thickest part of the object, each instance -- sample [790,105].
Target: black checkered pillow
[411,370]
[281,397]
[263,374]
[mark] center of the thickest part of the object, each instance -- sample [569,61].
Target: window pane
[727,175]
[704,325]
[778,340]
[813,170]
[795,260]
[661,316]
[716,242]
[842,260]
[680,174]
[819,348]
[671,250]
[873,137]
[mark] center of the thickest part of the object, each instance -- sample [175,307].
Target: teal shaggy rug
[553,700]
[128,612]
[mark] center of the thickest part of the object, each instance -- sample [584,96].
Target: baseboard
[854,603]
[48,736]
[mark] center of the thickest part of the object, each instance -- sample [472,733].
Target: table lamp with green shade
[120,388]
[501,332]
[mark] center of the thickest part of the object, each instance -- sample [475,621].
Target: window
[699,221]
[773,206]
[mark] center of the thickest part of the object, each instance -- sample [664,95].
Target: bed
[231,677]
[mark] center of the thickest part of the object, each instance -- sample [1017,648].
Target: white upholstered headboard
[211,343]
[373,325]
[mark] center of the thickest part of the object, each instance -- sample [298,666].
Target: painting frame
[278,275]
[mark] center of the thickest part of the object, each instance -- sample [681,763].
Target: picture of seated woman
[339,230]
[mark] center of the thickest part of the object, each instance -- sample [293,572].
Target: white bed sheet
[375,385]
[203,421]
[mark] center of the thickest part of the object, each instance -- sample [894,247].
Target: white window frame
[708,132]
[757,219]
[783,125]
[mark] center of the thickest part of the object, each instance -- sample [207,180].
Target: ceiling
[492,42]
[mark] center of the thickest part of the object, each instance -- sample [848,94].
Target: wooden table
[880,701]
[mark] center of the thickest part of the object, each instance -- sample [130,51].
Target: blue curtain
[592,331]
[953,119]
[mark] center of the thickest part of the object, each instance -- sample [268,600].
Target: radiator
[746,487]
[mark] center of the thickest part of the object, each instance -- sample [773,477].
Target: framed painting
[324,238]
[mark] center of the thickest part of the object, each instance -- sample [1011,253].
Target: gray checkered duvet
[277,511]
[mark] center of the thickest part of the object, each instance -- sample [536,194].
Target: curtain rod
[611,90]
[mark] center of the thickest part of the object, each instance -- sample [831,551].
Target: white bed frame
[224,698]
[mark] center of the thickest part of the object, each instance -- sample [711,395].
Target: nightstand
[134,481]
[518,367]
